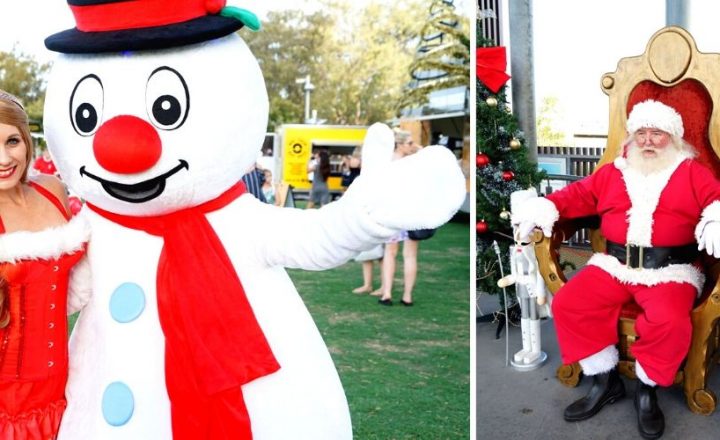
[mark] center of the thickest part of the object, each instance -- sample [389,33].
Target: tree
[24,77]
[548,133]
[442,59]
[356,57]
[502,168]
[370,53]
[289,46]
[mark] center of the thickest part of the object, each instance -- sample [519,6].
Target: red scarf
[213,342]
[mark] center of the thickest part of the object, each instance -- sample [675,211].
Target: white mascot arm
[419,191]
[79,286]
[80,281]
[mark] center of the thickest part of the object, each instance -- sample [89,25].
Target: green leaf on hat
[246,17]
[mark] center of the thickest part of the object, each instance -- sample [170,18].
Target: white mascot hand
[710,239]
[423,190]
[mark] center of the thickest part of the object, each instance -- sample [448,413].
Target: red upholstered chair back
[692,100]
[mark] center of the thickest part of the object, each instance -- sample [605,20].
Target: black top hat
[120,25]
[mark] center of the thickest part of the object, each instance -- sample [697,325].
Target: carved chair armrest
[547,250]
[704,351]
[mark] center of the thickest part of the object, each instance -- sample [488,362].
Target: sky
[576,42]
[27,22]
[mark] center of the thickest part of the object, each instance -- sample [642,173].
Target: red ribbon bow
[491,63]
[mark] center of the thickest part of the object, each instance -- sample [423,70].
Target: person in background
[268,189]
[351,167]
[44,164]
[320,169]
[254,180]
[404,146]
[38,248]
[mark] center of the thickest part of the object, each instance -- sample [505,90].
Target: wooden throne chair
[671,71]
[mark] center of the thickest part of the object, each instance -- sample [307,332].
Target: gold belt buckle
[640,257]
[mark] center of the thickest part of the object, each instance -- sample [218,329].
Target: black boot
[651,421]
[606,388]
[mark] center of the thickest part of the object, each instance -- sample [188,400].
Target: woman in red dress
[39,245]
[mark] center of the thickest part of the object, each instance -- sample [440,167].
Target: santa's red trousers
[586,312]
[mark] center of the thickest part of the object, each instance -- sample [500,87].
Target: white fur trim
[620,162]
[46,244]
[654,114]
[600,362]
[642,375]
[711,213]
[674,273]
[540,211]
[644,192]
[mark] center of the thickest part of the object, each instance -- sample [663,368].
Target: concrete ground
[529,405]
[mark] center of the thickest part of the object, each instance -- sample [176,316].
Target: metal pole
[522,71]
[676,13]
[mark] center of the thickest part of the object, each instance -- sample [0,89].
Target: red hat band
[113,15]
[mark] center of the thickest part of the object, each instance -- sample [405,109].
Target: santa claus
[658,207]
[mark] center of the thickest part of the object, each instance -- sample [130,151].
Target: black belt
[636,257]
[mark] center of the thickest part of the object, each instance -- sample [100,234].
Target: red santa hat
[121,25]
[654,114]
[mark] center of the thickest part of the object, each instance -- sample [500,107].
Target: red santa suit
[668,208]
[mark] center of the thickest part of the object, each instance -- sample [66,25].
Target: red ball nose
[127,145]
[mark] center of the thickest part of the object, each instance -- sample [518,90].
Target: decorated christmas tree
[442,59]
[502,163]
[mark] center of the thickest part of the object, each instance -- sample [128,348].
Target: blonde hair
[13,113]
[401,136]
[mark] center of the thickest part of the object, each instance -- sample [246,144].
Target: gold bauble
[505,215]
[515,144]
[491,101]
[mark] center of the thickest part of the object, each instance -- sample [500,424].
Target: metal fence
[579,162]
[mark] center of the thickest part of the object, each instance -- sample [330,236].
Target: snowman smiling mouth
[137,192]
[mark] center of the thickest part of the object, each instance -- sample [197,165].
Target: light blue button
[127,302]
[118,404]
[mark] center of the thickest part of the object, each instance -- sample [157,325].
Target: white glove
[710,239]
[524,229]
[423,190]
[534,213]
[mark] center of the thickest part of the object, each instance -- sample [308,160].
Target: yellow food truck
[295,143]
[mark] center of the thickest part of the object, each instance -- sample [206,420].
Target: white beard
[647,165]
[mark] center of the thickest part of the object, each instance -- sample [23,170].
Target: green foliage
[287,48]
[496,127]
[548,134]
[22,76]
[405,370]
[442,58]
[357,58]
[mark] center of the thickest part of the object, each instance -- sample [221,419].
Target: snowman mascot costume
[189,326]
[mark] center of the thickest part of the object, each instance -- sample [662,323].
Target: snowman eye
[167,98]
[86,105]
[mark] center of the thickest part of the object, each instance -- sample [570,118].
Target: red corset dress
[33,347]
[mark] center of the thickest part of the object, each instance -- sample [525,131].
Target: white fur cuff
[540,211]
[711,213]
[642,375]
[600,362]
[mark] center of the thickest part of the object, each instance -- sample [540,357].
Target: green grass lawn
[405,369]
